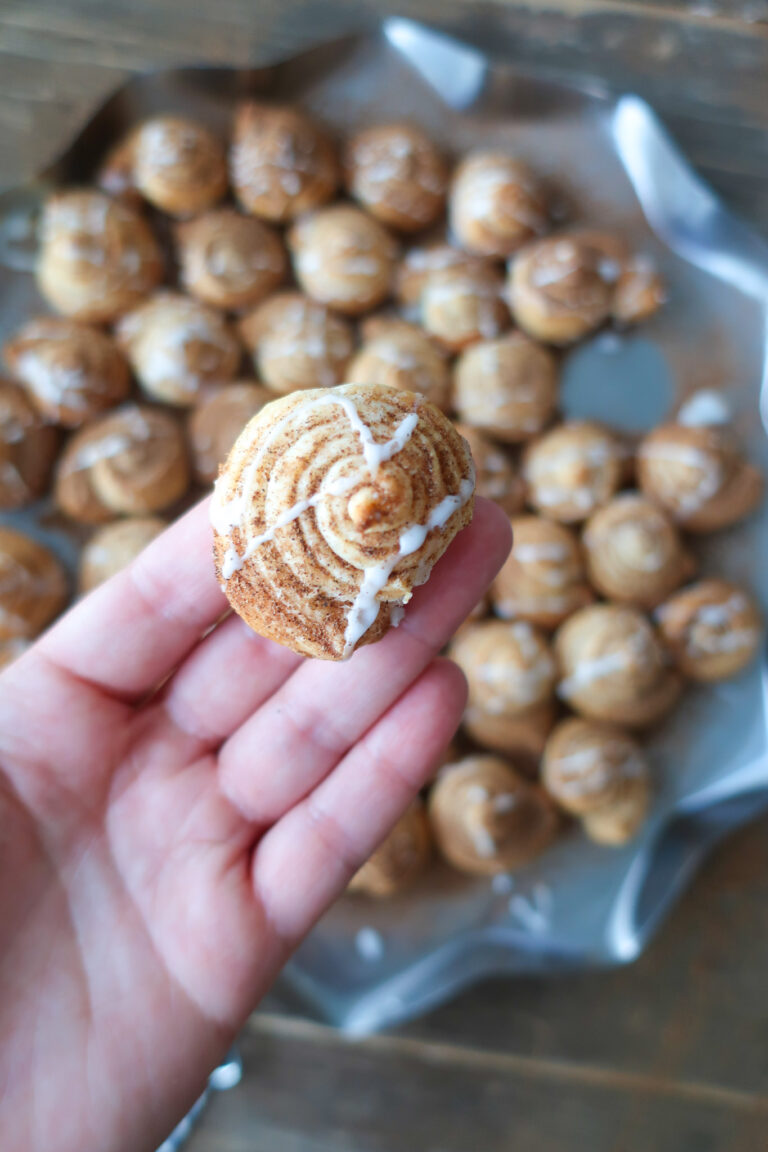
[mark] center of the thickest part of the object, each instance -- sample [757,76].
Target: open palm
[163,851]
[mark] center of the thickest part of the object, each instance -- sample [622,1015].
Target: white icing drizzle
[587,671]
[703,408]
[591,770]
[710,477]
[544,550]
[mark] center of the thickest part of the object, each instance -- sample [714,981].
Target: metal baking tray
[368,965]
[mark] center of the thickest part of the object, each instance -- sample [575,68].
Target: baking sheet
[369,965]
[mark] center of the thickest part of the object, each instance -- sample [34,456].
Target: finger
[302,731]
[307,859]
[230,674]
[127,635]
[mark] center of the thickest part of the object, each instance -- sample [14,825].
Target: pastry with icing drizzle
[333,505]
[400,860]
[230,260]
[344,258]
[33,587]
[178,347]
[507,387]
[614,667]
[217,421]
[543,579]
[464,303]
[714,629]
[562,288]
[282,163]
[573,470]
[697,473]
[511,674]
[497,477]
[634,553]
[131,462]
[27,448]
[113,547]
[598,773]
[179,165]
[402,355]
[97,258]
[397,174]
[496,204]
[297,343]
[71,371]
[422,262]
[487,817]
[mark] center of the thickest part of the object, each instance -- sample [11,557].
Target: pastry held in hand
[72,371]
[399,861]
[713,629]
[333,505]
[597,772]
[614,666]
[486,817]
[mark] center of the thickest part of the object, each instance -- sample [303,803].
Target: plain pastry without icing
[333,506]
[72,371]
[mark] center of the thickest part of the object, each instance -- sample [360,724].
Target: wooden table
[670,1055]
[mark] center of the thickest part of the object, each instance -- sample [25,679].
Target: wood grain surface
[671,1054]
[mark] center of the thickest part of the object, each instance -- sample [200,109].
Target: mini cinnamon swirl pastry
[511,673]
[97,258]
[463,304]
[396,172]
[333,506]
[496,204]
[562,288]
[116,175]
[634,553]
[614,666]
[698,475]
[113,547]
[216,423]
[343,258]
[131,462]
[229,260]
[281,162]
[543,579]
[508,387]
[27,448]
[296,343]
[486,817]
[640,291]
[497,478]
[400,860]
[713,629]
[72,371]
[179,166]
[177,347]
[402,355]
[598,773]
[420,264]
[33,587]
[574,469]
[10,650]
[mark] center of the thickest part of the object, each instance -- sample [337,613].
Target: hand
[162,852]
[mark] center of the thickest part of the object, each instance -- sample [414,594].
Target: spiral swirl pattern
[333,505]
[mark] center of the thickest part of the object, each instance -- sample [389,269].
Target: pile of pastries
[199,279]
